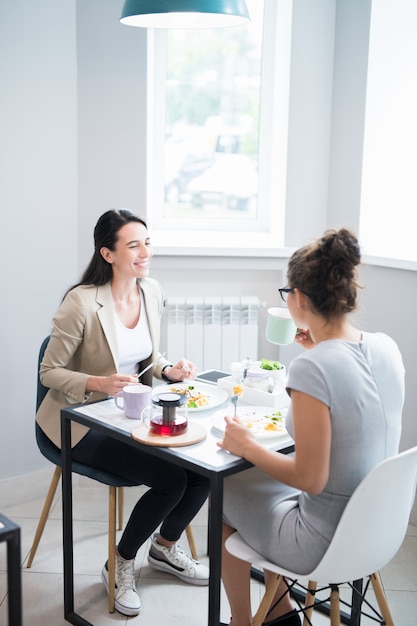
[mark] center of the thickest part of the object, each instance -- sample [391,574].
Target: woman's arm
[109,385]
[66,337]
[308,469]
[78,362]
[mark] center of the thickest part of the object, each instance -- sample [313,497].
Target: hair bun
[341,247]
[325,271]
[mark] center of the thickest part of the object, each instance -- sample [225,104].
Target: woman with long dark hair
[106,330]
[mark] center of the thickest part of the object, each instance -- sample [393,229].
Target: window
[388,222]
[218,165]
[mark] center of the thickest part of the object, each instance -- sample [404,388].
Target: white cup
[237,370]
[133,399]
[280,327]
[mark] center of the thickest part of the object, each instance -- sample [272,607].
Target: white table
[204,458]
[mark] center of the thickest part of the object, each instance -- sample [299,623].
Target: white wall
[38,200]
[111,116]
[72,111]
[70,151]
[388,304]
[310,117]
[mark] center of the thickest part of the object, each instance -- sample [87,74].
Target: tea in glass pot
[167,416]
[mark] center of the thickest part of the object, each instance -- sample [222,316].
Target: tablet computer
[211,376]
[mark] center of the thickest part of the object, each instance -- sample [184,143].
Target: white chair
[370,532]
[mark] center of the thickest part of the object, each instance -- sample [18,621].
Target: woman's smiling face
[133,251]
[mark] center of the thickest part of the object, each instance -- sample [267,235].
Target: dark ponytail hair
[99,271]
[326,272]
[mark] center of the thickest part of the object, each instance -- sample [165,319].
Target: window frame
[273,134]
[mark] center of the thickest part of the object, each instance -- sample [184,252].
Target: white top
[135,344]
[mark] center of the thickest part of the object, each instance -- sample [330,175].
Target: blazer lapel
[152,310]
[105,314]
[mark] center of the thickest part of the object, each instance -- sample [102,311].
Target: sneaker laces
[125,573]
[181,557]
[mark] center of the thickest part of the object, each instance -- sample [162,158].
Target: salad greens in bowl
[266,364]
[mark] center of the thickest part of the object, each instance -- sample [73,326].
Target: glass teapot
[168,414]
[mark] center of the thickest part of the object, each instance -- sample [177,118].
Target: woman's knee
[172,481]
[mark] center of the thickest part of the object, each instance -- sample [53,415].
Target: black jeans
[174,497]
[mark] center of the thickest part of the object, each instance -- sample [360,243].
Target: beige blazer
[83,343]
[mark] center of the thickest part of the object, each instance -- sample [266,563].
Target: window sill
[398,264]
[218,243]
[249,249]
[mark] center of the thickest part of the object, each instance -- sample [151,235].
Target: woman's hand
[236,437]
[304,338]
[182,370]
[109,384]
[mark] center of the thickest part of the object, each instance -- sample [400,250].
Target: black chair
[114,482]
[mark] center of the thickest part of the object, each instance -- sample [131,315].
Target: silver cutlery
[234,400]
[150,365]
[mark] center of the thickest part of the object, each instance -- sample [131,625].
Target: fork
[234,400]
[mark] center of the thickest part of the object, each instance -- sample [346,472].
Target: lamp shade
[184,13]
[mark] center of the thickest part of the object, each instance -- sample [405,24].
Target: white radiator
[212,332]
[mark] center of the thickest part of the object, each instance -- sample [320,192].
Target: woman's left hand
[236,437]
[183,370]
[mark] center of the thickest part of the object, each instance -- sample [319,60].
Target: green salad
[266,364]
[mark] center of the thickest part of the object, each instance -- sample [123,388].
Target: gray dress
[363,385]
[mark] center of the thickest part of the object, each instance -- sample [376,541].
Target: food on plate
[195,398]
[266,364]
[259,423]
[238,390]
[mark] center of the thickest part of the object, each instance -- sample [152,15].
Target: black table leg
[10,532]
[215,548]
[14,578]
[68,539]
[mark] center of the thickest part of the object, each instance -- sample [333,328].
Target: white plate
[259,418]
[215,395]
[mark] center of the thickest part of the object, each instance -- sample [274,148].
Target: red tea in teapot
[168,429]
[167,416]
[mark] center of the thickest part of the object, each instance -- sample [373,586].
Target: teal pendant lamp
[184,13]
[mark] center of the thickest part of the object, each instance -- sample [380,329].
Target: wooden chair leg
[112,546]
[120,505]
[381,599]
[334,607]
[191,542]
[44,515]
[266,601]
[309,602]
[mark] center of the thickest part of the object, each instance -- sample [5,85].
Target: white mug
[133,399]
[280,327]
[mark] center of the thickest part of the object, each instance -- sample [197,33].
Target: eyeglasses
[284,291]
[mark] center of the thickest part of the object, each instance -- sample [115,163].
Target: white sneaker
[175,561]
[126,598]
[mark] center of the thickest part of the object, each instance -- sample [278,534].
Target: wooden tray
[193,434]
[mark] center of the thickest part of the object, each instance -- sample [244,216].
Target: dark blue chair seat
[53,454]
[115,483]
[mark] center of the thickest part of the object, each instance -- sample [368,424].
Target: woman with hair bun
[347,395]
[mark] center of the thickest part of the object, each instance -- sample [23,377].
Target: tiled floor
[165,599]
